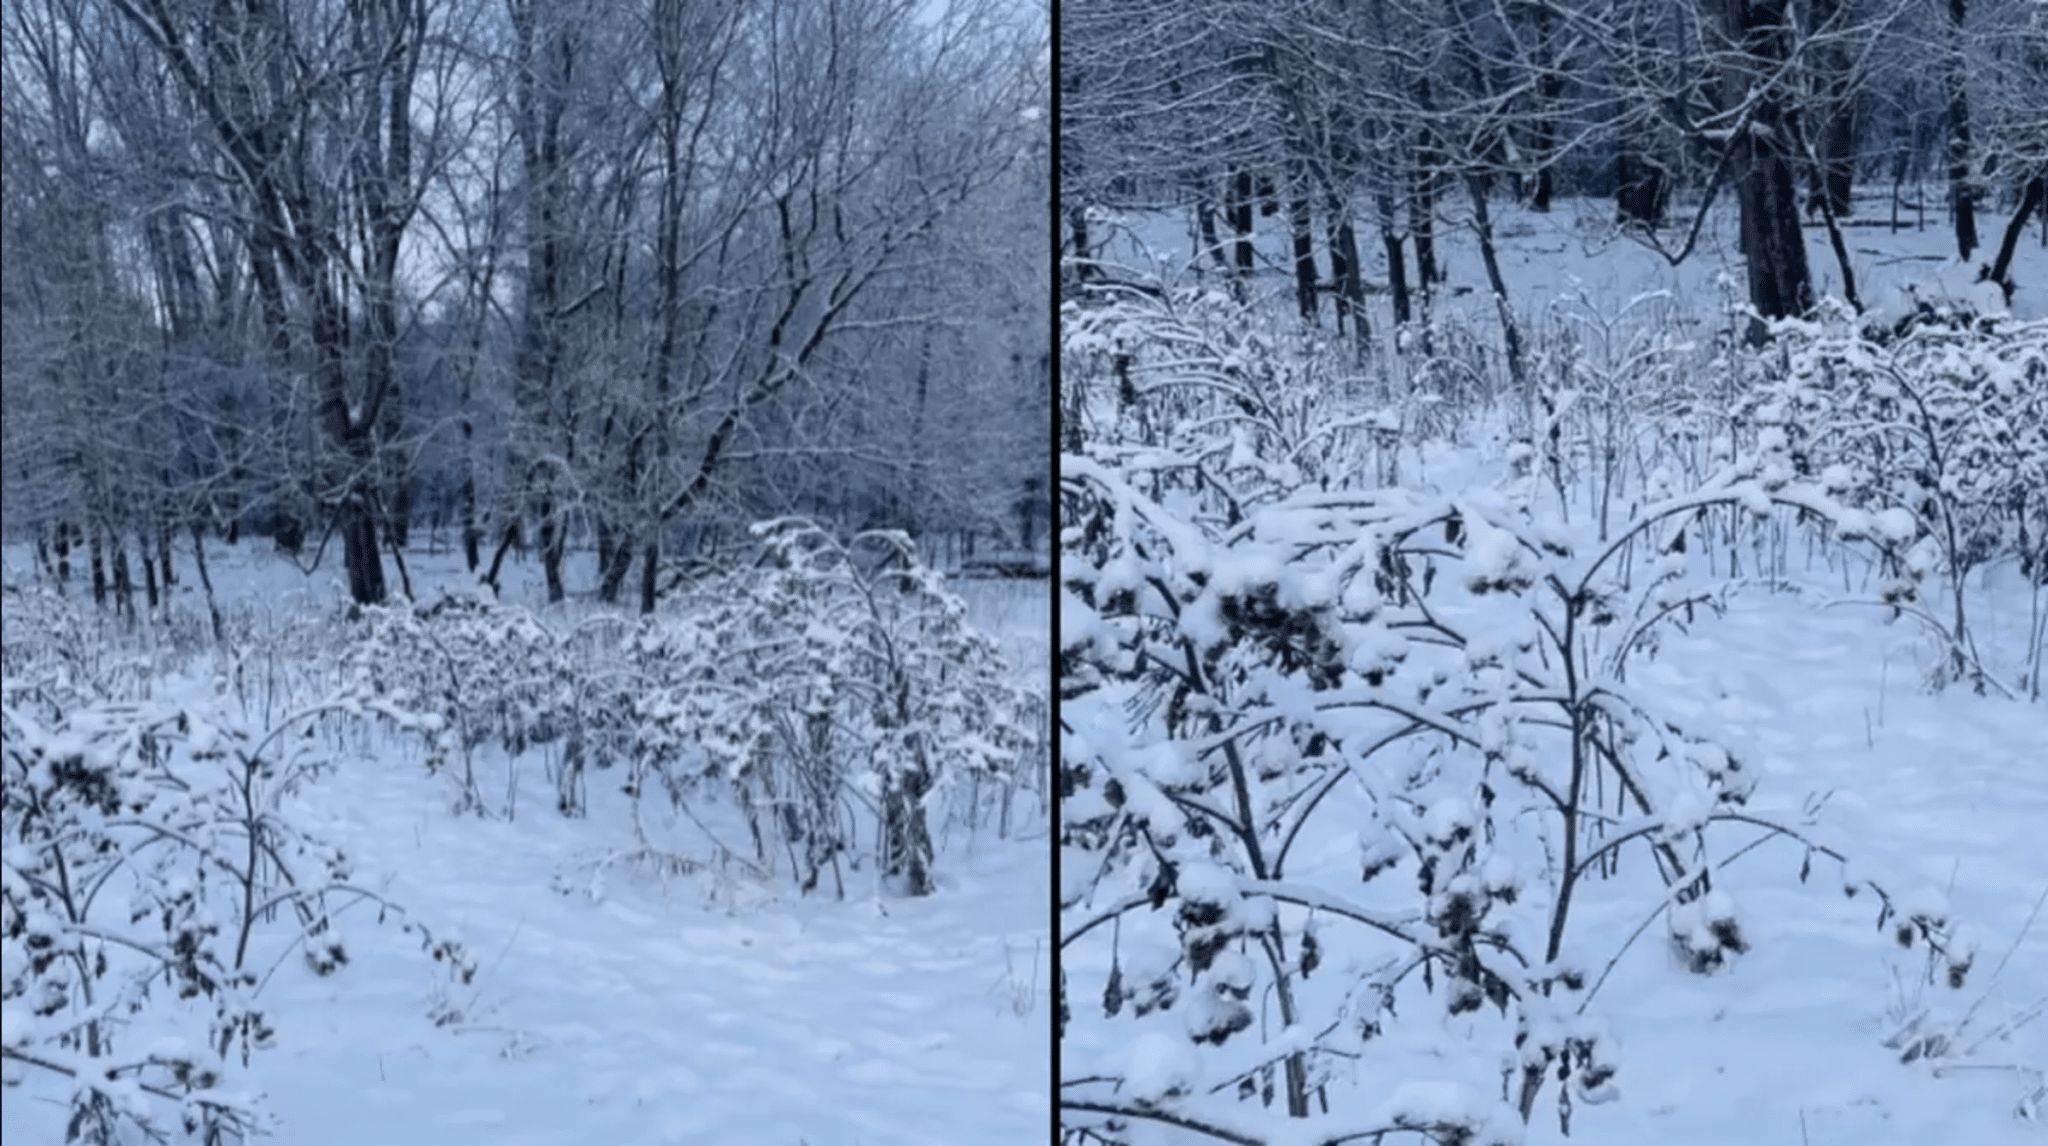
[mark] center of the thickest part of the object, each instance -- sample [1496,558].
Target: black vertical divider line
[1052,487]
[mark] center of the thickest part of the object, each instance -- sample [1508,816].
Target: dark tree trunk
[1397,265]
[1835,178]
[2034,197]
[1544,133]
[553,547]
[1835,140]
[206,579]
[124,582]
[1084,264]
[1511,332]
[1205,231]
[605,545]
[509,539]
[99,571]
[360,551]
[1302,224]
[1773,247]
[613,576]
[1640,197]
[404,573]
[472,530]
[1422,220]
[1239,207]
[149,578]
[650,567]
[1961,192]
[1350,290]
[400,515]
[62,545]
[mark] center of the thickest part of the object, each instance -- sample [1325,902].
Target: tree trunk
[1302,224]
[1835,142]
[472,530]
[1205,234]
[206,580]
[1835,179]
[1780,284]
[1422,219]
[124,582]
[1545,131]
[553,547]
[360,551]
[1640,198]
[509,539]
[1962,193]
[99,571]
[650,568]
[1511,331]
[63,547]
[1350,290]
[2034,197]
[149,578]
[1239,207]
[1397,266]
[1084,258]
[613,575]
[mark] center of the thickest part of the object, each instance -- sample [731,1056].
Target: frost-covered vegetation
[1373,776]
[816,719]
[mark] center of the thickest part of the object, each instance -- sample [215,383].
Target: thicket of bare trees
[546,275]
[1348,110]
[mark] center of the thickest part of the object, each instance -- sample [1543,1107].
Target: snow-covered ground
[1942,794]
[621,1006]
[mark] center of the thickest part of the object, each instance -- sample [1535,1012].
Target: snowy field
[1821,1030]
[621,1005]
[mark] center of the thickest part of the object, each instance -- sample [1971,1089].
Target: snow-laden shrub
[492,673]
[1256,398]
[151,879]
[830,676]
[64,646]
[1946,421]
[1259,679]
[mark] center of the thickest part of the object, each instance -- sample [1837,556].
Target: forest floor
[622,1007]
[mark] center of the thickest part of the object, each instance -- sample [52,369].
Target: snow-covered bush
[494,674]
[1945,420]
[1256,399]
[1265,683]
[149,862]
[828,675]
[64,647]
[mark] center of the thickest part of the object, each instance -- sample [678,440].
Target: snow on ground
[1937,794]
[626,1008]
